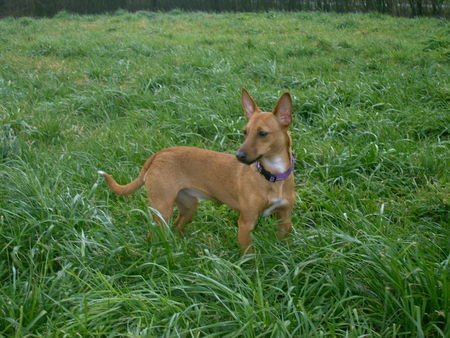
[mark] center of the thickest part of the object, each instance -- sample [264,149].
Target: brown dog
[257,181]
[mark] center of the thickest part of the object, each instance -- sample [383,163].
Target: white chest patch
[276,202]
[275,164]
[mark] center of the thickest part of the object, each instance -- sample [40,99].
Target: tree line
[392,7]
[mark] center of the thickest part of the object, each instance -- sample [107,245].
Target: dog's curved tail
[131,187]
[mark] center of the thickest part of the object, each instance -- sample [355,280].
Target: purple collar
[275,177]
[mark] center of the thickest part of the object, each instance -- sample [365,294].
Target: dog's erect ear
[283,109]
[249,104]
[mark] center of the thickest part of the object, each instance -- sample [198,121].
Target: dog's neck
[278,163]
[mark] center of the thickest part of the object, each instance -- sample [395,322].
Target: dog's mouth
[248,162]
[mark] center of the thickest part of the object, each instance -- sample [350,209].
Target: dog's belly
[197,193]
[273,204]
[211,197]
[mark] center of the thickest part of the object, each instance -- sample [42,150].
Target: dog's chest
[274,204]
[276,197]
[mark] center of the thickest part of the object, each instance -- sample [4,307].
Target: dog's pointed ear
[283,109]
[249,104]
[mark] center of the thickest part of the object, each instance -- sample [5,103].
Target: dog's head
[266,134]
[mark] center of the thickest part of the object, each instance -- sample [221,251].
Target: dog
[257,181]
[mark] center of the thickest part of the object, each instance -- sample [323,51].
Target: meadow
[369,254]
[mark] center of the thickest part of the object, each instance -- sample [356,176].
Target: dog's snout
[241,155]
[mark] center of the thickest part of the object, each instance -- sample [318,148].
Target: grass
[369,255]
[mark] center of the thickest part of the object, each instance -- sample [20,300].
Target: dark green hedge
[393,7]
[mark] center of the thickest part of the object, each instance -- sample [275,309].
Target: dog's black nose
[241,156]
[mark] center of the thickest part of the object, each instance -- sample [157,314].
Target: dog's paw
[101,172]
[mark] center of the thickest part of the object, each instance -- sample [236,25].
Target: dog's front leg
[246,222]
[284,221]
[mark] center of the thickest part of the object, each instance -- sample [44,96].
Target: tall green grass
[369,255]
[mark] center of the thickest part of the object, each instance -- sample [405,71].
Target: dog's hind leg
[187,206]
[162,198]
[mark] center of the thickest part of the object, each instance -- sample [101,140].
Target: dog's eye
[262,133]
[245,132]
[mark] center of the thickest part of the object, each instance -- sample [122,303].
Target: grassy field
[369,255]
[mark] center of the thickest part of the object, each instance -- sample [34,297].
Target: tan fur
[181,175]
